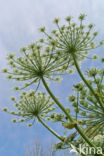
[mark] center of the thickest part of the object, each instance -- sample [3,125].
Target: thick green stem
[67,114]
[87,84]
[51,130]
[56,100]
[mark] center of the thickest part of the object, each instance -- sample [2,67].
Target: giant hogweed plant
[50,58]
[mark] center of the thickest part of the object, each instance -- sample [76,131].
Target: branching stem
[68,115]
[54,133]
[86,82]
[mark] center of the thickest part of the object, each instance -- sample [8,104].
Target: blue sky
[19,21]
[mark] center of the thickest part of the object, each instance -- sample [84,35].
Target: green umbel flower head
[72,40]
[31,105]
[89,109]
[34,64]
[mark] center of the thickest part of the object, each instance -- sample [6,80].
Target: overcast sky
[19,21]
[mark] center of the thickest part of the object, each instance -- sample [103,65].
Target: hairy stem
[87,84]
[67,114]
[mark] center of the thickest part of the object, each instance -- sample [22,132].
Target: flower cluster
[86,104]
[56,117]
[72,40]
[31,105]
[52,56]
[34,64]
